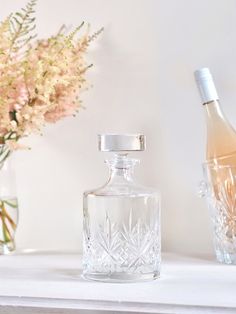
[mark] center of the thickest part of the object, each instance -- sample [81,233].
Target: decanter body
[121,220]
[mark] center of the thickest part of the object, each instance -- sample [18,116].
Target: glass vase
[8,202]
[220,192]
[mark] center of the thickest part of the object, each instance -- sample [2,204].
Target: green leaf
[20,14]
[22,26]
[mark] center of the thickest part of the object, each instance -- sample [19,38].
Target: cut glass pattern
[122,248]
[222,204]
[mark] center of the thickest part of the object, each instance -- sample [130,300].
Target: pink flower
[41,85]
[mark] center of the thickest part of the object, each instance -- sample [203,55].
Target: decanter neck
[121,168]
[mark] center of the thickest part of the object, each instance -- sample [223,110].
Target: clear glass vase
[121,224]
[8,202]
[220,191]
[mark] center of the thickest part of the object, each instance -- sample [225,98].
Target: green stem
[6,233]
[10,220]
[4,154]
[10,204]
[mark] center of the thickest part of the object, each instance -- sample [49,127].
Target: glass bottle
[8,202]
[219,170]
[122,240]
[221,136]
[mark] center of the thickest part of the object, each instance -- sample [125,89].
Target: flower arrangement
[40,80]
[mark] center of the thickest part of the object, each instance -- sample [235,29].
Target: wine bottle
[220,152]
[221,136]
[220,169]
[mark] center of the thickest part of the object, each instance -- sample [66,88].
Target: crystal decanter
[122,240]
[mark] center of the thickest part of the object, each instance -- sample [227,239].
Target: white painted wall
[142,83]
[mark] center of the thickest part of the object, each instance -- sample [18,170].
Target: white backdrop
[142,83]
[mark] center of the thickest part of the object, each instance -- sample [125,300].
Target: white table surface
[51,283]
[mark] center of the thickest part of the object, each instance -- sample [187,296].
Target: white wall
[142,83]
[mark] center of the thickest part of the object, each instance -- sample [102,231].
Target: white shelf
[51,283]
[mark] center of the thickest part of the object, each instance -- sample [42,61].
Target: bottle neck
[221,136]
[121,168]
[213,110]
